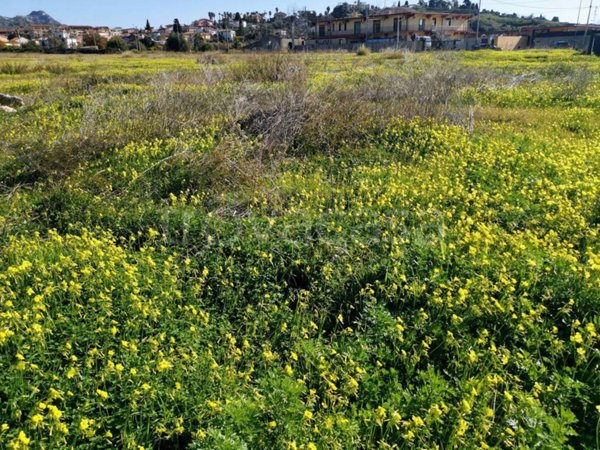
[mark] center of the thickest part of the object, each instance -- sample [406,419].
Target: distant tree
[555,19]
[147,42]
[148,28]
[342,10]
[55,43]
[176,42]
[200,45]
[116,44]
[198,42]
[177,28]
[211,16]
[31,46]
[94,39]
[439,4]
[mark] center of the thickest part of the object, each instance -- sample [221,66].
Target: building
[595,47]
[391,25]
[568,36]
[504,42]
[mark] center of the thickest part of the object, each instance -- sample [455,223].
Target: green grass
[285,252]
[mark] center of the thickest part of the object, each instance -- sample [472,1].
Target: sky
[127,13]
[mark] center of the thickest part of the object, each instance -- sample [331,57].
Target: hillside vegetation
[493,23]
[300,252]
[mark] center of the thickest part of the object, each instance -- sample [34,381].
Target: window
[421,24]
[345,26]
[376,26]
[321,30]
[434,22]
[449,22]
[397,24]
[339,27]
[356,27]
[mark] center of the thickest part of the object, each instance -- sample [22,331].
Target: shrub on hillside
[176,42]
[116,44]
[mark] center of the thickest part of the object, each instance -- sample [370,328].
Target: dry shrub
[232,165]
[55,68]
[108,120]
[292,118]
[273,68]
[275,116]
[363,51]
[347,115]
[14,68]
[278,113]
[211,58]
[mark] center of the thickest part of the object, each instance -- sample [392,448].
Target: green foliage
[171,278]
[116,44]
[362,51]
[95,39]
[176,42]
[492,22]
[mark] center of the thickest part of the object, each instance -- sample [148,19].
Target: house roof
[395,11]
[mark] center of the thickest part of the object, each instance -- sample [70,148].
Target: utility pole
[293,30]
[478,20]
[587,26]
[579,12]
[367,24]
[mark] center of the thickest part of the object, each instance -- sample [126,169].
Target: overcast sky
[127,13]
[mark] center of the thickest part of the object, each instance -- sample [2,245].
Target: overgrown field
[300,252]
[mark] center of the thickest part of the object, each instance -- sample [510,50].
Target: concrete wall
[511,42]
[570,39]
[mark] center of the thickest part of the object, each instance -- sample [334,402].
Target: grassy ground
[304,252]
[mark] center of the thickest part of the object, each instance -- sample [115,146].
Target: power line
[530,6]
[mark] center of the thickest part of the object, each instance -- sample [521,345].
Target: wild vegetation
[300,251]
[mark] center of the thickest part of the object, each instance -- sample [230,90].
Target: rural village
[345,27]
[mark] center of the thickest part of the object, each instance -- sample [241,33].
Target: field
[325,251]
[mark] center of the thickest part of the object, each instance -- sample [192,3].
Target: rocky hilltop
[33,18]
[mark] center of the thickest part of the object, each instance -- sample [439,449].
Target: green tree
[176,42]
[55,43]
[94,39]
[199,43]
[116,44]
[148,42]
[177,28]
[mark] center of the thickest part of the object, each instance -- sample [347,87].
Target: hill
[33,18]
[494,22]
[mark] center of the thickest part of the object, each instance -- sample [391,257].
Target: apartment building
[391,24]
